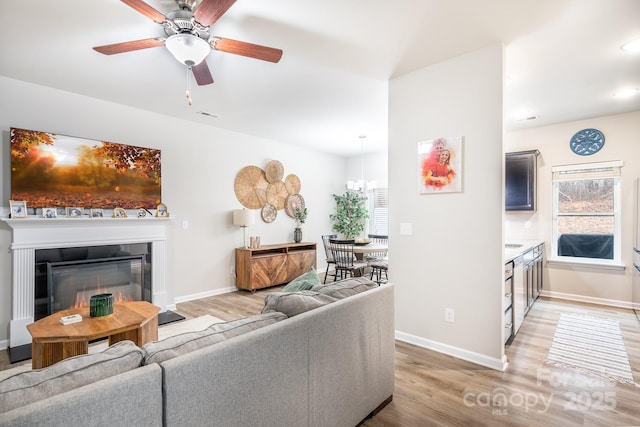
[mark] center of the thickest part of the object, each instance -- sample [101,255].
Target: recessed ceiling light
[632,46]
[627,92]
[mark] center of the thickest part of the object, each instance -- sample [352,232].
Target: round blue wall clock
[587,142]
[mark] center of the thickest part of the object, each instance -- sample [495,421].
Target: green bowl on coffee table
[100,305]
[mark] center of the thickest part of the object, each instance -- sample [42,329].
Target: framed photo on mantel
[119,213]
[75,212]
[97,213]
[18,209]
[162,211]
[49,213]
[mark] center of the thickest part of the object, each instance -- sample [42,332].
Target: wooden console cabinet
[272,265]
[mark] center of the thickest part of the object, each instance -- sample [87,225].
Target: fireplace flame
[83,298]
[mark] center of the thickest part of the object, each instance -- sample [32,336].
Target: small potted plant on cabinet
[301,217]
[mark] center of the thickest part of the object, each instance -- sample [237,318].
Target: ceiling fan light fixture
[188,49]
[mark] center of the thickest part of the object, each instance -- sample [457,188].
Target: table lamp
[243,218]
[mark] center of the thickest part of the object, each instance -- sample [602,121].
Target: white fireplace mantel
[30,234]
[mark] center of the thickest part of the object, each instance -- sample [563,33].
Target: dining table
[360,251]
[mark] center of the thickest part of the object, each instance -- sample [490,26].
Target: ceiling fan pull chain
[189,101]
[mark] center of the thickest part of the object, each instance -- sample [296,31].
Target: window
[379,211]
[586,213]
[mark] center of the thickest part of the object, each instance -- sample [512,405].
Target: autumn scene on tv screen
[50,170]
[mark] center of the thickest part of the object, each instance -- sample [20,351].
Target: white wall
[454,258]
[199,165]
[621,143]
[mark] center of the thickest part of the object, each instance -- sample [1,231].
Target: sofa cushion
[295,303]
[168,348]
[31,386]
[304,282]
[345,288]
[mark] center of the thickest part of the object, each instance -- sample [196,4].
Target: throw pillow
[168,348]
[294,303]
[31,386]
[303,283]
[345,288]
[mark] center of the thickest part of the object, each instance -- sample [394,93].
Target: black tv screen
[51,170]
[520,181]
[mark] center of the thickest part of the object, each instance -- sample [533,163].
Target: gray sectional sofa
[328,362]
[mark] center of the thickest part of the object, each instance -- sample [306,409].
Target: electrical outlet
[449,315]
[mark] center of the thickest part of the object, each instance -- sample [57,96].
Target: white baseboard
[469,356]
[591,300]
[4,344]
[200,295]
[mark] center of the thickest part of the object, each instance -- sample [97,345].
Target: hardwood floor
[432,389]
[435,389]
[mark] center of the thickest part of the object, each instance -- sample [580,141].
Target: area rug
[164,331]
[592,345]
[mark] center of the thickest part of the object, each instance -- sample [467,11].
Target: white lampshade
[243,217]
[187,48]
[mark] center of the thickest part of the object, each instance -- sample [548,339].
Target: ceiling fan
[188,37]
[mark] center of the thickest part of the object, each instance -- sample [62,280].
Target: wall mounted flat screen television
[520,181]
[51,170]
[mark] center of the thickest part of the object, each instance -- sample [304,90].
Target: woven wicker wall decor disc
[294,201]
[277,195]
[269,213]
[274,171]
[292,183]
[250,187]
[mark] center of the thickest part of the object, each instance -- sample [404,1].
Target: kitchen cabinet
[507,301]
[519,294]
[520,180]
[526,267]
[272,265]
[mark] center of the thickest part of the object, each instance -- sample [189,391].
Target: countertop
[511,251]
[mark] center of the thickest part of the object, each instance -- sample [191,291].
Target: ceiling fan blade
[246,49]
[202,74]
[146,10]
[210,11]
[110,49]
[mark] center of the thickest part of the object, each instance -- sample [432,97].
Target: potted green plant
[301,217]
[351,213]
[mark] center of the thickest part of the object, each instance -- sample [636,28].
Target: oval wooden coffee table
[51,341]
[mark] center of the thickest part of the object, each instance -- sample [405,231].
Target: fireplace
[68,277]
[85,243]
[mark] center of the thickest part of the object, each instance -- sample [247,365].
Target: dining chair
[346,263]
[329,256]
[378,261]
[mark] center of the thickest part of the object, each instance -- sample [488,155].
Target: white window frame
[378,214]
[610,169]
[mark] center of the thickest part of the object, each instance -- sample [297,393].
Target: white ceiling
[563,59]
